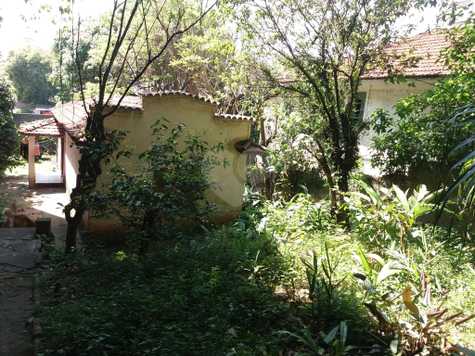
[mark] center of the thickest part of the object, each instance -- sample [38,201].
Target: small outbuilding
[201,116]
[31,131]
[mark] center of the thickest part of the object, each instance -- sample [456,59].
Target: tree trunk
[72,230]
[332,188]
[89,171]
[343,188]
[323,162]
[73,212]
[269,179]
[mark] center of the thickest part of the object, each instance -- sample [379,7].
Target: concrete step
[19,250]
[17,233]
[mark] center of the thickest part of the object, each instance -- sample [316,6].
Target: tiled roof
[206,99]
[72,115]
[28,117]
[130,102]
[233,117]
[42,127]
[426,46]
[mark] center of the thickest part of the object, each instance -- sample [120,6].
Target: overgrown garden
[323,260]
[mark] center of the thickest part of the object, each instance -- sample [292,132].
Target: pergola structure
[30,131]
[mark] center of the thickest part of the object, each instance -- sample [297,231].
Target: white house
[377,92]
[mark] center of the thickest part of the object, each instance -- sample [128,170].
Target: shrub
[167,197]
[403,296]
[282,279]
[198,296]
[381,216]
[420,135]
[394,254]
[9,143]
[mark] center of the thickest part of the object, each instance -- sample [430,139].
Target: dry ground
[19,255]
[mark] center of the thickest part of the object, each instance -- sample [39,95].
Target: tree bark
[89,171]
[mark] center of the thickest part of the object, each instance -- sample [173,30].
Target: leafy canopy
[30,70]
[323,48]
[8,134]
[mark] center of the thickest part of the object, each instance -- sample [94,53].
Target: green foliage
[320,65]
[64,74]
[421,135]
[208,60]
[168,193]
[465,181]
[408,305]
[29,72]
[297,219]
[384,215]
[292,154]
[391,253]
[331,343]
[205,296]
[283,278]
[9,142]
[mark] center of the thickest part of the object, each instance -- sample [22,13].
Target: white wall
[384,95]
[71,163]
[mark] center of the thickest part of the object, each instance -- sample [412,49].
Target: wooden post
[31,161]
[58,152]
[63,150]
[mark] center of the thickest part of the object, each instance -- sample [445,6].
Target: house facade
[136,116]
[379,93]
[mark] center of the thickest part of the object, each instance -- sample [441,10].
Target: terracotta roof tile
[427,46]
[234,117]
[72,115]
[206,99]
[42,127]
[130,102]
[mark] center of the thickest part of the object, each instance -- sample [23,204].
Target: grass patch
[198,297]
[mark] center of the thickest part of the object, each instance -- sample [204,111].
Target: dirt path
[38,202]
[19,257]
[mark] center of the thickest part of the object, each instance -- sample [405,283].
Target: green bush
[194,297]
[388,253]
[167,197]
[420,136]
[9,143]
[381,216]
[282,279]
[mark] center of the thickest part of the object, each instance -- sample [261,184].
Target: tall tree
[8,134]
[324,48]
[64,76]
[208,60]
[126,57]
[29,70]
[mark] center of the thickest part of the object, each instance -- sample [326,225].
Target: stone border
[35,323]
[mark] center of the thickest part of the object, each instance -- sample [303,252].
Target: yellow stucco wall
[227,181]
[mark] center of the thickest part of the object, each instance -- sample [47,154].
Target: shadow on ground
[36,203]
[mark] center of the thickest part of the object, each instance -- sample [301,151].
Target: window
[360,101]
